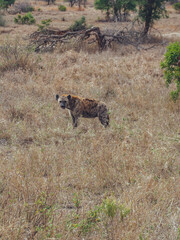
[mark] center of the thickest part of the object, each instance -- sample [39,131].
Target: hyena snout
[62,103]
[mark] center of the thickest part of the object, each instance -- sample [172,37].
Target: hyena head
[64,101]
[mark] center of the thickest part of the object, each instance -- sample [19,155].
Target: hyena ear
[69,97]
[57,97]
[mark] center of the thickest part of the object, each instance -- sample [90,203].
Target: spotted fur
[84,107]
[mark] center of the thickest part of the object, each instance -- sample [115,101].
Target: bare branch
[47,40]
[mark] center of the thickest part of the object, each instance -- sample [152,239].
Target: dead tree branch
[47,40]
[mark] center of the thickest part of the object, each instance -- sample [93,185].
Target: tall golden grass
[44,163]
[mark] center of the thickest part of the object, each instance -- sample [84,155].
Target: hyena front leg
[75,120]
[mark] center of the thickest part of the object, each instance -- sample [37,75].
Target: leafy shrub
[176,6]
[171,65]
[24,7]
[40,214]
[101,217]
[2,21]
[28,9]
[6,3]
[110,207]
[62,8]
[79,24]
[76,201]
[173,1]
[21,7]
[25,19]
[44,24]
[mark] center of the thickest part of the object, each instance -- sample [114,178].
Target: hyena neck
[72,103]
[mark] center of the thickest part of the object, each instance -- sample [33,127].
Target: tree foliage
[176,6]
[77,2]
[104,5]
[148,10]
[53,1]
[171,64]
[6,3]
[120,8]
[151,10]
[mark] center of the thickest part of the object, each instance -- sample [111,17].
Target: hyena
[84,107]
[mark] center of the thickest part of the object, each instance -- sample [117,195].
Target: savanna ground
[52,176]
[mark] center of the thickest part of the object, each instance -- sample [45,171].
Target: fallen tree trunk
[47,39]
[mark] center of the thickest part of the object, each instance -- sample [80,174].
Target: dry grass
[13,56]
[43,161]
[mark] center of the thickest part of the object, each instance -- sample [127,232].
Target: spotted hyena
[84,107]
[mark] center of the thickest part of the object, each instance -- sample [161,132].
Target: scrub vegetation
[56,182]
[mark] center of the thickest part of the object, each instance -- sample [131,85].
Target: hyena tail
[103,115]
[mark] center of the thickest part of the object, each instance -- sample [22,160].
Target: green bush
[2,21]
[62,8]
[28,8]
[6,3]
[171,65]
[78,24]
[25,19]
[100,217]
[44,24]
[23,7]
[173,1]
[176,6]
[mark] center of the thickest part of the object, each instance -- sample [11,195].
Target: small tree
[119,8]
[122,7]
[171,65]
[72,2]
[104,5]
[150,10]
[6,3]
[77,2]
[53,1]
